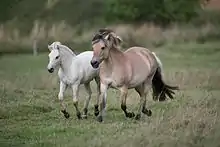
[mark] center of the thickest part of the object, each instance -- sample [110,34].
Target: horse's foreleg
[96,106]
[102,104]
[60,97]
[124,93]
[86,104]
[75,89]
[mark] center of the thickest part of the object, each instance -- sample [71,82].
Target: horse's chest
[66,78]
[114,78]
[113,81]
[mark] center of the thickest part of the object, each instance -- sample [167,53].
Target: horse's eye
[57,57]
[102,48]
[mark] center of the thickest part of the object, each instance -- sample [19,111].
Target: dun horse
[136,68]
[73,71]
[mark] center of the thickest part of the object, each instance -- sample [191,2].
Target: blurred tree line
[100,11]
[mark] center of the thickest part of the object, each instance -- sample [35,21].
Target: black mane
[101,33]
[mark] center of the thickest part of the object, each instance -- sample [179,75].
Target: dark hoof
[78,114]
[66,114]
[130,114]
[138,117]
[85,111]
[147,112]
[96,113]
[99,119]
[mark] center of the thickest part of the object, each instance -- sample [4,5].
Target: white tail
[158,61]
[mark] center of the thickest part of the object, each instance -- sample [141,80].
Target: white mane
[58,45]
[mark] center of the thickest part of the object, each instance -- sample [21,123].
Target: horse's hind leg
[124,93]
[96,106]
[143,91]
[60,97]
[86,104]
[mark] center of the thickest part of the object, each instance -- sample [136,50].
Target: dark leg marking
[127,114]
[65,113]
[78,114]
[96,112]
[146,111]
[138,116]
[85,112]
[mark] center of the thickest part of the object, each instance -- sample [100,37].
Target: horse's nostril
[50,70]
[95,64]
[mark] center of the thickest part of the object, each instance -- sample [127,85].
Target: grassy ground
[29,109]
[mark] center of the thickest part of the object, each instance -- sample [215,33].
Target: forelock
[55,44]
[97,37]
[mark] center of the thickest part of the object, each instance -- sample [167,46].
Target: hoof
[138,117]
[66,114]
[130,114]
[78,115]
[84,116]
[147,112]
[99,119]
[96,113]
[85,111]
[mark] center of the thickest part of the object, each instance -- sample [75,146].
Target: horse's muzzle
[51,70]
[95,64]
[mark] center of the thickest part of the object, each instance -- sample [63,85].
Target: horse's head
[54,56]
[102,42]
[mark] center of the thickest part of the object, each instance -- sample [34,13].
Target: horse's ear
[49,47]
[107,37]
[119,39]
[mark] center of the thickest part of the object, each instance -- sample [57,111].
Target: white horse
[73,71]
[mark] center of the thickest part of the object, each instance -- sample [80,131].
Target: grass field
[30,116]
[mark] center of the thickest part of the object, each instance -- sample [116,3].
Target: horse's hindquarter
[142,65]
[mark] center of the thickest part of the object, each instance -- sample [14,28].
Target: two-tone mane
[107,35]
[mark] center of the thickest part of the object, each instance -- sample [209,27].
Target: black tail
[160,89]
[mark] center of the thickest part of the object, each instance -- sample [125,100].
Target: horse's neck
[114,60]
[66,59]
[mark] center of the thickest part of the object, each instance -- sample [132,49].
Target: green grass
[29,109]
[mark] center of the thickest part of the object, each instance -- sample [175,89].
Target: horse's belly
[89,76]
[134,83]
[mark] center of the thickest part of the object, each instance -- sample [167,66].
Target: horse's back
[87,55]
[88,71]
[141,61]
